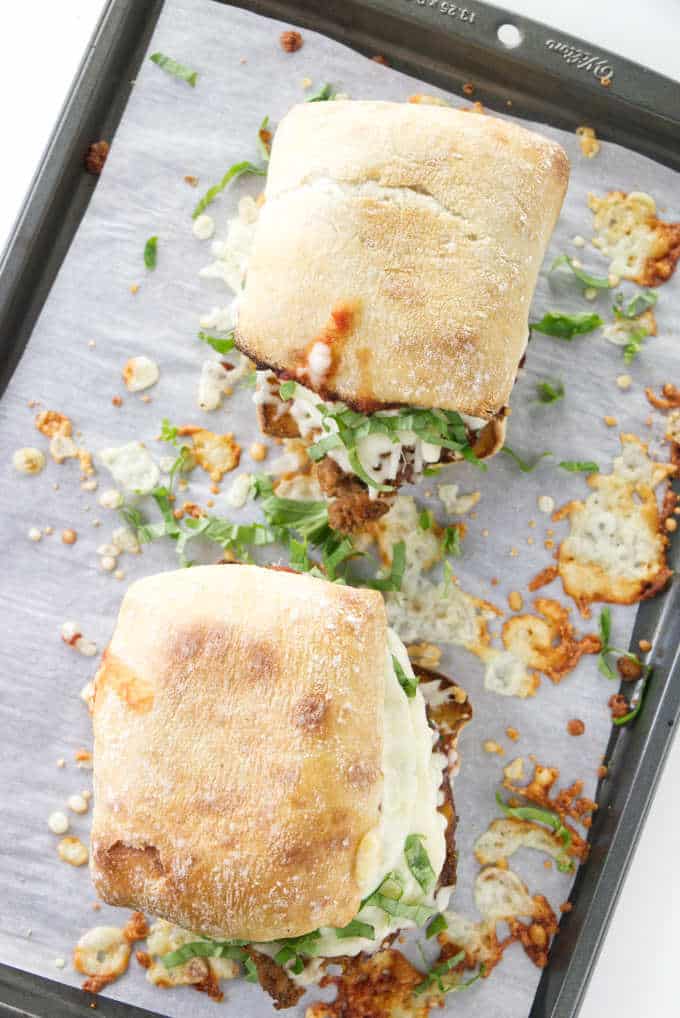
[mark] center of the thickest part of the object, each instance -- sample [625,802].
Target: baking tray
[547,77]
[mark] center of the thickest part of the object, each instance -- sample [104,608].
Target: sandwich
[387,295]
[269,771]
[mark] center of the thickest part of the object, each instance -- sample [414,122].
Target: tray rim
[651,736]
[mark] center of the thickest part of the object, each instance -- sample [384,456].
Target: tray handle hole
[509,35]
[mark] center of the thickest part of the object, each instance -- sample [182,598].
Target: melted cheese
[380,455]
[411,792]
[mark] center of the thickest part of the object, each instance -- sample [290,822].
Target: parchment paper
[170,130]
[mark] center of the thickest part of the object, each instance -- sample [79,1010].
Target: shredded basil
[287,390]
[451,541]
[579,466]
[249,965]
[605,668]
[425,519]
[549,392]
[264,136]
[596,282]
[438,925]
[173,67]
[418,862]
[206,949]
[434,975]
[324,93]
[564,326]
[237,170]
[150,252]
[355,929]
[635,307]
[219,345]
[542,816]
[523,464]
[634,345]
[407,682]
[393,580]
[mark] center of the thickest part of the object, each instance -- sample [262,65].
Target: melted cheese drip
[412,775]
[380,455]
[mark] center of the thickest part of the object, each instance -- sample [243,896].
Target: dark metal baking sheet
[549,77]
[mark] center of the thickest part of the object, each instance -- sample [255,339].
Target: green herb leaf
[418,862]
[264,139]
[438,925]
[237,170]
[150,252]
[425,519]
[251,970]
[287,389]
[395,576]
[219,345]
[206,949]
[407,682]
[637,704]
[564,326]
[635,307]
[169,432]
[549,392]
[297,948]
[579,466]
[175,68]
[523,464]
[596,282]
[634,345]
[451,541]
[434,976]
[418,913]
[355,929]
[542,816]
[324,93]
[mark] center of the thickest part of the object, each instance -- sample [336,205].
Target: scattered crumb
[69,536]
[618,705]
[546,503]
[59,963]
[590,146]
[72,851]
[58,822]
[307,82]
[590,293]
[490,746]
[191,180]
[258,451]
[602,771]
[578,241]
[291,41]
[515,600]
[512,734]
[427,655]
[203,227]
[134,288]
[668,400]
[140,373]
[624,381]
[644,645]
[28,461]
[95,157]
[35,534]
[611,422]
[116,400]
[468,88]
[77,803]
[576,726]
[380,59]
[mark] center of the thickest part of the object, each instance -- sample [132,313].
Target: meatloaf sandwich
[388,290]
[269,771]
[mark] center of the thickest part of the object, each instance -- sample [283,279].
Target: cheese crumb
[72,851]
[258,451]
[546,503]
[140,373]
[58,822]
[624,381]
[515,600]
[108,563]
[493,747]
[578,241]
[239,492]
[590,293]
[204,227]
[77,804]
[28,461]
[35,534]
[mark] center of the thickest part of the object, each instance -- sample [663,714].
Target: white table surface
[41,43]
